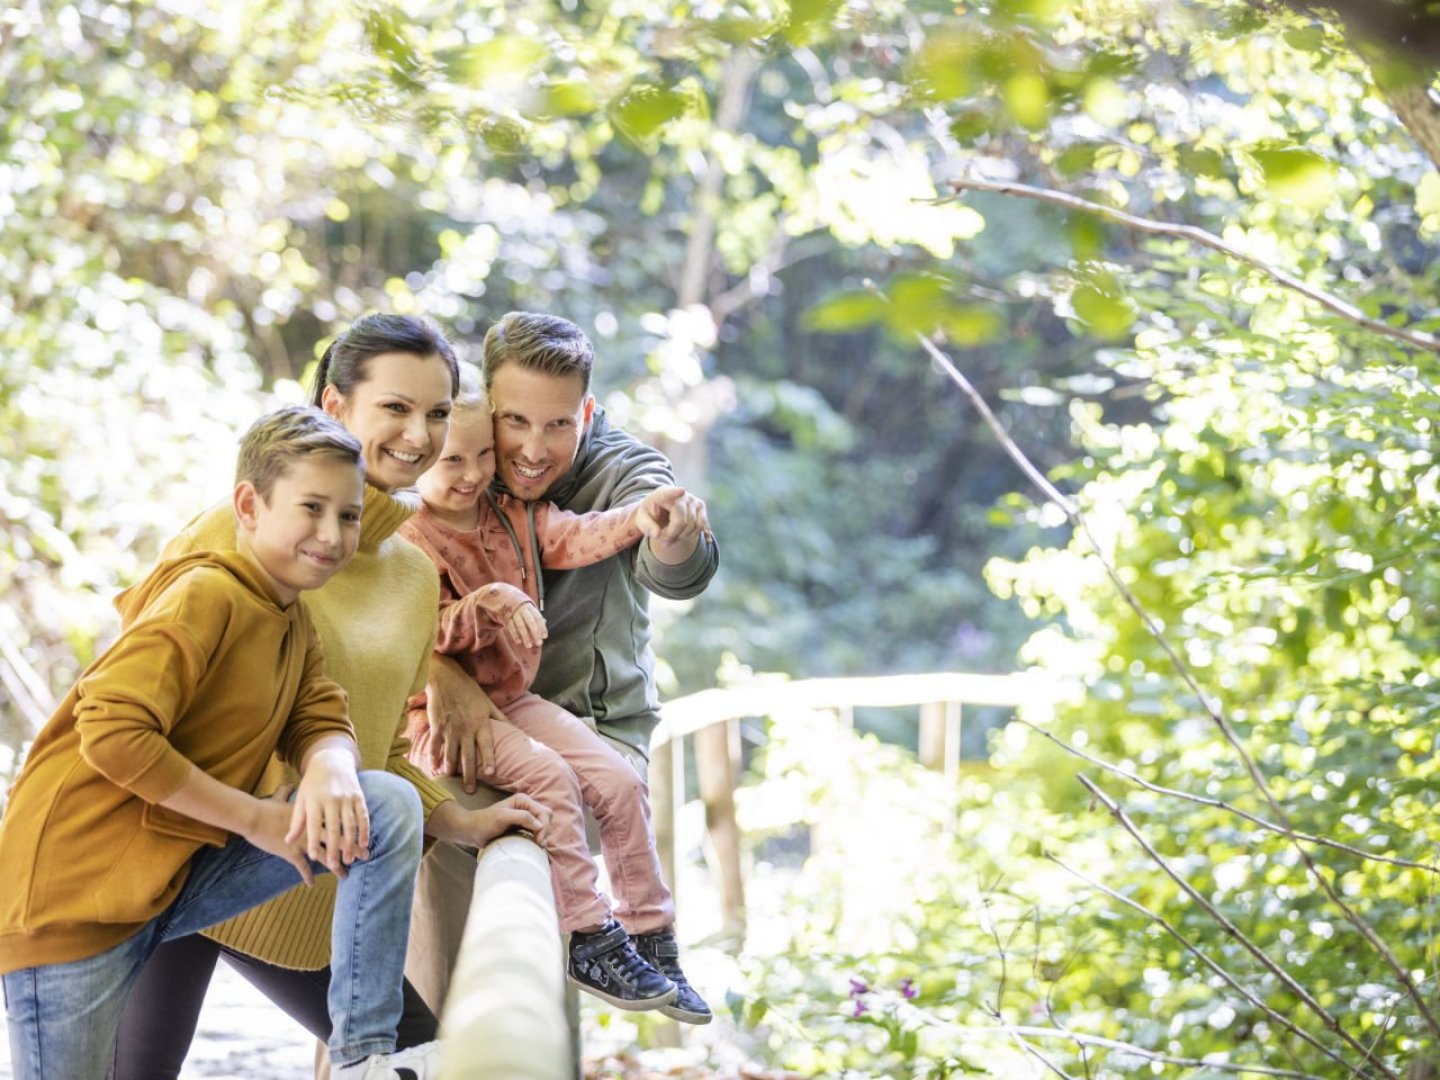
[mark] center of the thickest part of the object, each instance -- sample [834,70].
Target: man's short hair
[279,439]
[536,342]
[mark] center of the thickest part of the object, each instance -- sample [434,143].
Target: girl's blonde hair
[470,393]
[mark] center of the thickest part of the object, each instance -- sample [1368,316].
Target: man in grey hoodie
[553,442]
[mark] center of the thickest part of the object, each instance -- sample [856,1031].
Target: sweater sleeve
[131,699]
[432,793]
[321,705]
[473,622]
[569,541]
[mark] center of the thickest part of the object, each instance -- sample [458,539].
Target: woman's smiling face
[400,414]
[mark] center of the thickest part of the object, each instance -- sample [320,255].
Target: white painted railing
[505,1013]
[711,720]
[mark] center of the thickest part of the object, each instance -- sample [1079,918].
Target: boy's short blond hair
[278,439]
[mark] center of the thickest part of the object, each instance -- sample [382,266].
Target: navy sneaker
[662,951]
[605,963]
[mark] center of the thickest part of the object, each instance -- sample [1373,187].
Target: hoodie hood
[166,572]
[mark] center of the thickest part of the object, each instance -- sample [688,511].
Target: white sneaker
[417,1063]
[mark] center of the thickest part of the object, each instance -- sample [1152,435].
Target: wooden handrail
[710,718]
[687,715]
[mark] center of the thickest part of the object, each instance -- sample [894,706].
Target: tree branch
[1220,804]
[1148,1055]
[1346,310]
[1230,980]
[1182,669]
[1221,919]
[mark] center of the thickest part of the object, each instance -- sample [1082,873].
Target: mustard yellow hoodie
[208,670]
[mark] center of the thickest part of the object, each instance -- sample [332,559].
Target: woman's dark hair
[344,362]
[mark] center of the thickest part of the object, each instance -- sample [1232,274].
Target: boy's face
[454,485]
[308,528]
[539,419]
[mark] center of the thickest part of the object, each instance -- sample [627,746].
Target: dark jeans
[159,1020]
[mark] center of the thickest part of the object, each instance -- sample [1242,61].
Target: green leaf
[944,67]
[388,38]
[973,324]
[1296,175]
[1106,316]
[500,57]
[569,98]
[1027,96]
[1427,200]
[845,313]
[808,19]
[1306,38]
[1197,162]
[643,110]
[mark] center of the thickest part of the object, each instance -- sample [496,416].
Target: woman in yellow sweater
[390,380]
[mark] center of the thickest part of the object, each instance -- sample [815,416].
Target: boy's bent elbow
[135,759]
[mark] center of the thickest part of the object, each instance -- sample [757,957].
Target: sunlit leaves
[1300,176]
[910,305]
[504,56]
[644,109]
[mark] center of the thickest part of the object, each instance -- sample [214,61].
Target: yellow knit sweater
[376,621]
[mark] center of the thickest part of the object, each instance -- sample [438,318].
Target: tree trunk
[1418,107]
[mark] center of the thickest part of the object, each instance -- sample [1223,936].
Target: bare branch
[1346,310]
[1230,980]
[1152,1055]
[1187,676]
[1220,804]
[1225,923]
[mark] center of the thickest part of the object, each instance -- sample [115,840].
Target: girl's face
[454,486]
[400,414]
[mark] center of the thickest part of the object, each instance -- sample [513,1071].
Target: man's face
[539,419]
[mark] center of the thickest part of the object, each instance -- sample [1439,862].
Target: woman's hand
[460,714]
[516,812]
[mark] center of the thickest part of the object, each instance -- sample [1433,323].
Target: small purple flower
[907,989]
[861,1008]
[858,987]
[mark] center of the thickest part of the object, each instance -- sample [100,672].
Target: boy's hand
[330,811]
[526,626]
[673,520]
[270,832]
[516,812]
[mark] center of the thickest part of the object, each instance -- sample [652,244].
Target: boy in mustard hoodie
[133,821]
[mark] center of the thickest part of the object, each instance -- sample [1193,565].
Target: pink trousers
[556,759]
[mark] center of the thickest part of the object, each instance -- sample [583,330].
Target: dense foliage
[194,194]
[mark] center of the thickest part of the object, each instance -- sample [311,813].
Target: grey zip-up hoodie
[597,660]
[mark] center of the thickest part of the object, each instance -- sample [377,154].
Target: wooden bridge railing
[711,718]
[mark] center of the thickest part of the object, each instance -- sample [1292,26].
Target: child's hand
[526,626]
[271,832]
[330,811]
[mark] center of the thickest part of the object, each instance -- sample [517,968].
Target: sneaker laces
[666,957]
[630,964]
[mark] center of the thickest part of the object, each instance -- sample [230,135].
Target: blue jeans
[63,1017]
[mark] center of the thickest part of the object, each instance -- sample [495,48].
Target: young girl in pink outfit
[489,550]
